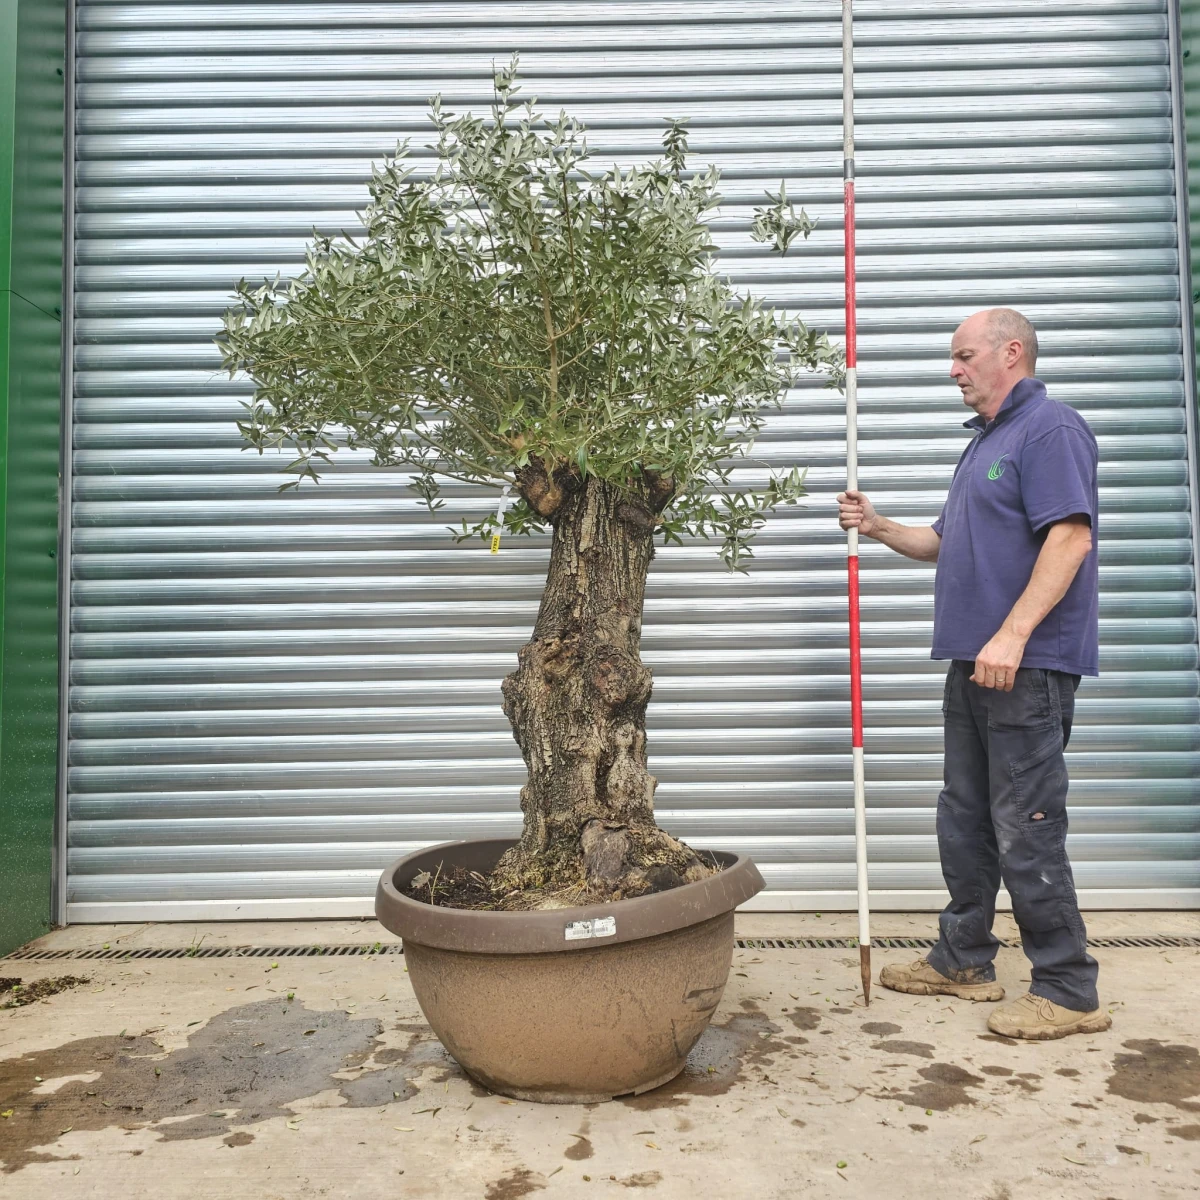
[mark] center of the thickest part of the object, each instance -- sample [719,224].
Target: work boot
[1037,1019]
[920,979]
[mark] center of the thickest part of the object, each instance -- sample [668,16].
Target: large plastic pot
[567,1005]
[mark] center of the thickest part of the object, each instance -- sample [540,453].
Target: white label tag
[597,927]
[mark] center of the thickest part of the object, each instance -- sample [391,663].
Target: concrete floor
[304,1077]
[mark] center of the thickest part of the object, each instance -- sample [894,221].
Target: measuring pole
[856,715]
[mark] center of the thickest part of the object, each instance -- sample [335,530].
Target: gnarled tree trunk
[577,704]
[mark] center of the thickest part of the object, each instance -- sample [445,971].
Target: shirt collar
[1024,390]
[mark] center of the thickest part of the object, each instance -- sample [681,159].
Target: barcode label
[597,927]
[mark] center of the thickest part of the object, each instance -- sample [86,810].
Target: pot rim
[554,930]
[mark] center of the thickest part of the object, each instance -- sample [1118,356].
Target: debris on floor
[17,994]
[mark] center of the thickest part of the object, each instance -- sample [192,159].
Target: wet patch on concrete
[1128,1149]
[722,1057]
[238,1139]
[1145,1119]
[247,1064]
[944,1087]
[995,1037]
[919,1128]
[1189,1133]
[1001,1072]
[17,994]
[1023,1084]
[880,1028]
[918,1049]
[1067,1072]
[1157,1073]
[520,1181]
[643,1179]
[805,1019]
[582,1149]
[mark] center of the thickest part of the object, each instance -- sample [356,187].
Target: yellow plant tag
[500,518]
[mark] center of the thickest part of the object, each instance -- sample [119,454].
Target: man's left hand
[997,663]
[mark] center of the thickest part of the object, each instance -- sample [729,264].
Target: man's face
[980,368]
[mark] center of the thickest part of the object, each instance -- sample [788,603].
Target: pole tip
[864,964]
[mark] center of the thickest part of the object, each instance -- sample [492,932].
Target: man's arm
[1068,543]
[855,511]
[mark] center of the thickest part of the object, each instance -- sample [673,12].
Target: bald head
[1006,325]
[991,351]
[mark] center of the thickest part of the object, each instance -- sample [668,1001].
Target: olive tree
[514,317]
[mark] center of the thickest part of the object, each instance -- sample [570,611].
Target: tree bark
[577,705]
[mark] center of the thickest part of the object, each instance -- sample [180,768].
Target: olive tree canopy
[514,306]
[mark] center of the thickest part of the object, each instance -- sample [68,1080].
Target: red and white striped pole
[856,715]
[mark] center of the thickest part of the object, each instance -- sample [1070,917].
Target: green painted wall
[32,47]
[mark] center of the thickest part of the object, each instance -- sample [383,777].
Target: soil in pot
[450,886]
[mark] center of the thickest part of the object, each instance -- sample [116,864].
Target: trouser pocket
[1032,836]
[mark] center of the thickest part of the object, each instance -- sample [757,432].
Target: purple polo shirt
[1033,465]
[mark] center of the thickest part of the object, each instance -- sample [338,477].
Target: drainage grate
[833,943]
[119,955]
[360,951]
[1165,943]
[927,943]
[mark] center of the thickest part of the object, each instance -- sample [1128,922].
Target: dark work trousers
[1003,815]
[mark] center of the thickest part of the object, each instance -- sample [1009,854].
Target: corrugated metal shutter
[273,696]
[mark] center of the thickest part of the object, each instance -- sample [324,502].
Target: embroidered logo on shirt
[997,468]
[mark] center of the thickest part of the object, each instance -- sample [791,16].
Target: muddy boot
[920,979]
[1037,1019]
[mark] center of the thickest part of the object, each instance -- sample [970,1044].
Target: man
[1016,612]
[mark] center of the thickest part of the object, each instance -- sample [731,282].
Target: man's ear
[1014,352]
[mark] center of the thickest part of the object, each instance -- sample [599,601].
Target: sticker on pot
[597,927]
